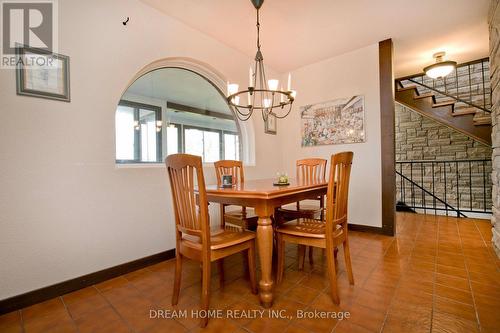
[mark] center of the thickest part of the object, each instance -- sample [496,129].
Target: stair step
[438,105]
[482,121]
[424,95]
[407,88]
[464,111]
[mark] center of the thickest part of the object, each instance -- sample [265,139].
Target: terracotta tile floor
[439,274]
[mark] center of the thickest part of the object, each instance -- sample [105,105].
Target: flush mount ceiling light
[441,68]
[267,96]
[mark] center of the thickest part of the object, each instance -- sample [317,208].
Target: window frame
[182,138]
[137,133]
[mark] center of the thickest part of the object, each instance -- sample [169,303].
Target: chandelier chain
[258,31]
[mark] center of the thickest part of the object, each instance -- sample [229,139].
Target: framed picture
[270,126]
[338,121]
[42,74]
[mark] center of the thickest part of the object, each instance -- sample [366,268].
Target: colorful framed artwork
[338,121]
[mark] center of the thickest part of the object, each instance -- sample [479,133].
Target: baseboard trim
[366,228]
[39,295]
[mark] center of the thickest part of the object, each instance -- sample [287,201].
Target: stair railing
[414,206]
[467,69]
[451,96]
[449,186]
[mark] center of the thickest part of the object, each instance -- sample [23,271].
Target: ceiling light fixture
[441,68]
[267,96]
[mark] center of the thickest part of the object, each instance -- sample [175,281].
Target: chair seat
[306,228]
[308,209]
[246,221]
[220,239]
[238,214]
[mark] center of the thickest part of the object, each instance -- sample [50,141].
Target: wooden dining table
[265,197]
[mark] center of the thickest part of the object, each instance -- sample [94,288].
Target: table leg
[265,246]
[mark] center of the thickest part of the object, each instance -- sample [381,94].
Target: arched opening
[177,106]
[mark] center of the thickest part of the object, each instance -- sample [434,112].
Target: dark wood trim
[137,105]
[387,116]
[365,228]
[192,109]
[36,296]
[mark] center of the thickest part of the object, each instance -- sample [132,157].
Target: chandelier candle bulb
[249,99]
[293,93]
[267,102]
[232,88]
[273,84]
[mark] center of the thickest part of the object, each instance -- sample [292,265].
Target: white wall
[65,209]
[353,73]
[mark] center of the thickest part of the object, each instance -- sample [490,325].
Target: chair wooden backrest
[191,208]
[311,169]
[229,167]
[233,168]
[338,191]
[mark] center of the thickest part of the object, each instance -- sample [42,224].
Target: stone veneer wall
[421,138]
[494,24]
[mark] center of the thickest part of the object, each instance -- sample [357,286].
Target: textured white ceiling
[297,32]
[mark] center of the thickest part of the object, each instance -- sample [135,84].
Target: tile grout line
[114,309]
[487,247]
[69,313]
[434,278]
[399,281]
[21,318]
[468,276]
[381,259]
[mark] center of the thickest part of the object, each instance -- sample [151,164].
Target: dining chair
[242,217]
[329,234]
[194,239]
[309,170]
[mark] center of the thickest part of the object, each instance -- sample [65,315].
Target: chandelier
[264,95]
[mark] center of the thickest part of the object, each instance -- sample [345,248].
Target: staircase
[461,100]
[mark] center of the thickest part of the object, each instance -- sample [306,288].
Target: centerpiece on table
[281,179]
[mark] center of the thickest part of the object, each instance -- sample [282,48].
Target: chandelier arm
[241,116]
[263,72]
[265,114]
[287,113]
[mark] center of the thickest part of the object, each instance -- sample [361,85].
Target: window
[173,139]
[231,146]
[173,110]
[203,142]
[138,132]
[212,145]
